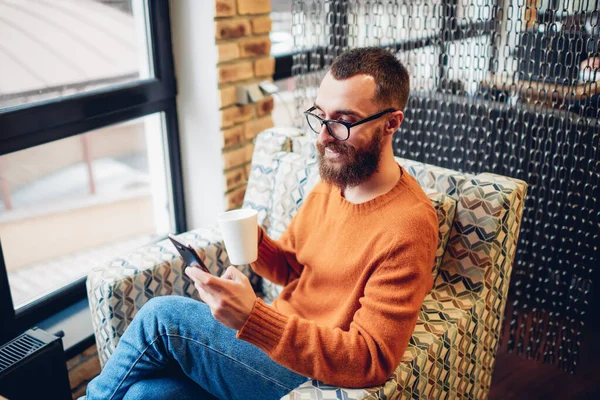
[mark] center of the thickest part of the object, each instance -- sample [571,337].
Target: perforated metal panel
[511,87]
[17,350]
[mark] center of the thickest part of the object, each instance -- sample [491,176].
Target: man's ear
[394,122]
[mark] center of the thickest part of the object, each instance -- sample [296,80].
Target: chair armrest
[118,290]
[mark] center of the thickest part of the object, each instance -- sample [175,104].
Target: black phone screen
[188,254]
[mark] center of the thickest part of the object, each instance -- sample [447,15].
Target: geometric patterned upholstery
[118,290]
[258,191]
[294,176]
[445,208]
[452,350]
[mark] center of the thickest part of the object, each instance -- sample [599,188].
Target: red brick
[232,115]
[256,126]
[235,72]
[264,67]
[228,96]
[255,47]
[233,135]
[224,8]
[237,157]
[235,198]
[228,51]
[261,25]
[84,372]
[235,178]
[90,351]
[232,28]
[254,6]
[265,106]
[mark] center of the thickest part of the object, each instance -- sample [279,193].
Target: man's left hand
[230,297]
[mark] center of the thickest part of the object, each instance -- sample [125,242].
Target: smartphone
[190,256]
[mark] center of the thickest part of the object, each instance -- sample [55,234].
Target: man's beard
[353,167]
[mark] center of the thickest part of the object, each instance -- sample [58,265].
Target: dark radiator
[33,366]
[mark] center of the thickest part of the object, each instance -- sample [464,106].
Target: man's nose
[324,136]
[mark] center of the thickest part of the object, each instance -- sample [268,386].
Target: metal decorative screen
[510,87]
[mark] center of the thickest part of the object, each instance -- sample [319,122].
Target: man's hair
[391,77]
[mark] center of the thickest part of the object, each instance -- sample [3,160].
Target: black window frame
[38,123]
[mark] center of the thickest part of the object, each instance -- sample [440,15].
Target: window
[65,47]
[89,149]
[81,201]
[282,41]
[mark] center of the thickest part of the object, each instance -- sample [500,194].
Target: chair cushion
[260,181]
[294,176]
[445,208]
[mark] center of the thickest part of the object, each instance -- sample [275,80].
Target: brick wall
[242,38]
[82,369]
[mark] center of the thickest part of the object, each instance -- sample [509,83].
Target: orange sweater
[355,276]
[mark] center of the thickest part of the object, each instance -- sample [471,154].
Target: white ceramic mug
[240,235]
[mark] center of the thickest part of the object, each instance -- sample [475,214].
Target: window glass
[53,49]
[77,203]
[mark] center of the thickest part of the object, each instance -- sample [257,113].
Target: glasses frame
[348,125]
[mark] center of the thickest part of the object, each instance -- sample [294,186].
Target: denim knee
[166,388]
[163,308]
[167,302]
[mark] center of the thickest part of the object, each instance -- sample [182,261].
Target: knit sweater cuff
[267,249]
[264,327]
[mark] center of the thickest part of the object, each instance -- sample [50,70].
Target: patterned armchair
[453,348]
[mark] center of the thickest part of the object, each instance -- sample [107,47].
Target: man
[355,262]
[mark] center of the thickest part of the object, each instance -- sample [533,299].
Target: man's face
[343,165]
[351,162]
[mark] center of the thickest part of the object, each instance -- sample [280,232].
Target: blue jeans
[175,349]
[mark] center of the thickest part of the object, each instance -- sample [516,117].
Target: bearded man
[355,263]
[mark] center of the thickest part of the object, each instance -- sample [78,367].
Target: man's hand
[230,297]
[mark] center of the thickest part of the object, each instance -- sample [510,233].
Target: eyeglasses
[339,130]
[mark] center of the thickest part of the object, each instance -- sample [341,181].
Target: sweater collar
[377,202]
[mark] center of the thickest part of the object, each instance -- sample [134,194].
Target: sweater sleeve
[369,351]
[277,259]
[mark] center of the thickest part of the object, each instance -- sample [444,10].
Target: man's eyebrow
[343,112]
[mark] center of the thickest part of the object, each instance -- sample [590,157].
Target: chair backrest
[483,236]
